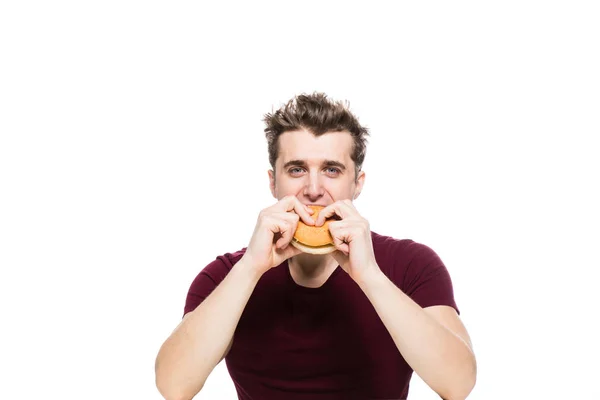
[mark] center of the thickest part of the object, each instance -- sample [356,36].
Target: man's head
[316,150]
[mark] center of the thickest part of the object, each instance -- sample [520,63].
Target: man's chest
[324,341]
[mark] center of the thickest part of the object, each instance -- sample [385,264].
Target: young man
[352,324]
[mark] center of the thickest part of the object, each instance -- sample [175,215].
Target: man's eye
[333,171]
[296,170]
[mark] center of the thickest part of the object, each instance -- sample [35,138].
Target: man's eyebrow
[295,163]
[332,163]
[326,163]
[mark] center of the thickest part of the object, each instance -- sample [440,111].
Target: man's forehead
[301,145]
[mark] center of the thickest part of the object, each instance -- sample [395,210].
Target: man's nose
[314,186]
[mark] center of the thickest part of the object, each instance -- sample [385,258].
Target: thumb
[340,257]
[289,252]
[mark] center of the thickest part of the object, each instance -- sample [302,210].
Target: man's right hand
[275,228]
[205,335]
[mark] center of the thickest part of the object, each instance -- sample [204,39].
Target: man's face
[317,170]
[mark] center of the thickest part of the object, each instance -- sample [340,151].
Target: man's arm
[204,336]
[433,341]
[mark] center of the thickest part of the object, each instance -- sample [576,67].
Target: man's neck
[311,270]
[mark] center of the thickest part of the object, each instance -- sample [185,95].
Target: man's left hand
[352,239]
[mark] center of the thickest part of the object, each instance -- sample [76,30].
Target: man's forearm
[197,345]
[441,358]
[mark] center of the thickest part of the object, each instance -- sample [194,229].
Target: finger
[288,252]
[292,223]
[336,226]
[281,227]
[286,237]
[340,257]
[339,208]
[281,243]
[289,217]
[341,245]
[287,233]
[304,212]
[291,203]
[341,236]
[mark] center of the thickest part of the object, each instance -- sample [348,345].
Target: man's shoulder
[222,263]
[386,243]
[235,256]
[389,249]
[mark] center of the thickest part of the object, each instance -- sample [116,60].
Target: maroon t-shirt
[294,342]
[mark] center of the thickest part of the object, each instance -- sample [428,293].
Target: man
[352,324]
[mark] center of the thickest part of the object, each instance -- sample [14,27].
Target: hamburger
[313,239]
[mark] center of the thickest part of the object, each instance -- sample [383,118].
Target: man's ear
[272,182]
[360,181]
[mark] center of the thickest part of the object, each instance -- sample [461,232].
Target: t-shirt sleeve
[427,280]
[206,281]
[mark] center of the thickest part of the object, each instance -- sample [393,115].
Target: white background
[132,154]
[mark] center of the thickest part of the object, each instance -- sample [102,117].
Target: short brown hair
[317,114]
